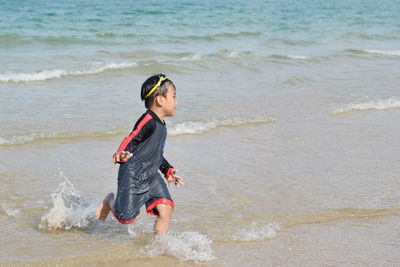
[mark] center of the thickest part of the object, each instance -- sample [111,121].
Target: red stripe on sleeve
[168,173]
[129,138]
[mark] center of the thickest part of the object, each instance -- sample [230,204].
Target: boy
[140,156]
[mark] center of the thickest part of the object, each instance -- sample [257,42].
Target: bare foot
[105,207]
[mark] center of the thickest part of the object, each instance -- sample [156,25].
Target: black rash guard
[146,142]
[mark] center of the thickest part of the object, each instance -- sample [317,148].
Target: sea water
[286,131]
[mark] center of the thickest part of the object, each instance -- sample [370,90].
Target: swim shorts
[128,203]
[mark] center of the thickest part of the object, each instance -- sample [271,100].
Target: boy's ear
[158,100]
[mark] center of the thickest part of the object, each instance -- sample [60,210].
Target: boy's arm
[166,168]
[170,173]
[143,129]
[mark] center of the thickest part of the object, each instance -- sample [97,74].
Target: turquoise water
[189,26]
[286,125]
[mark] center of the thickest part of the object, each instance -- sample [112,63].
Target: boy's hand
[122,156]
[175,179]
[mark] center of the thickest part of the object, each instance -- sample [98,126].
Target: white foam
[4,141]
[233,54]
[186,246]
[289,56]
[256,232]
[34,137]
[198,127]
[57,73]
[295,57]
[69,209]
[369,105]
[194,57]
[23,139]
[229,53]
[143,226]
[10,211]
[382,52]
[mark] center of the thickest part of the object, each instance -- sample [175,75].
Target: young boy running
[140,156]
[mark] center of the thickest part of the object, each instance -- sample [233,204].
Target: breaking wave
[376,52]
[23,139]
[369,105]
[296,57]
[192,57]
[199,127]
[38,137]
[187,127]
[58,73]
[382,52]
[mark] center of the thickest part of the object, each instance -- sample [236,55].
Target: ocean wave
[382,52]
[22,139]
[59,73]
[369,105]
[106,35]
[212,37]
[40,137]
[233,54]
[192,57]
[376,52]
[238,34]
[199,127]
[182,128]
[288,56]
[229,53]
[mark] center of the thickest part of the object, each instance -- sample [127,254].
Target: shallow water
[286,131]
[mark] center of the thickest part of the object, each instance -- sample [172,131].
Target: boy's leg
[160,204]
[105,207]
[163,219]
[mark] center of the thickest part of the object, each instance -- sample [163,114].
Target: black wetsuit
[139,181]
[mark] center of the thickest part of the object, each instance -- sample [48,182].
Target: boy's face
[170,101]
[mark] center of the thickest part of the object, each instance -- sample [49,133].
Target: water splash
[186,246]
[69,209]
[142,226]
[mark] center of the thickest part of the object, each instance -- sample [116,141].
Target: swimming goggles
[162,78]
